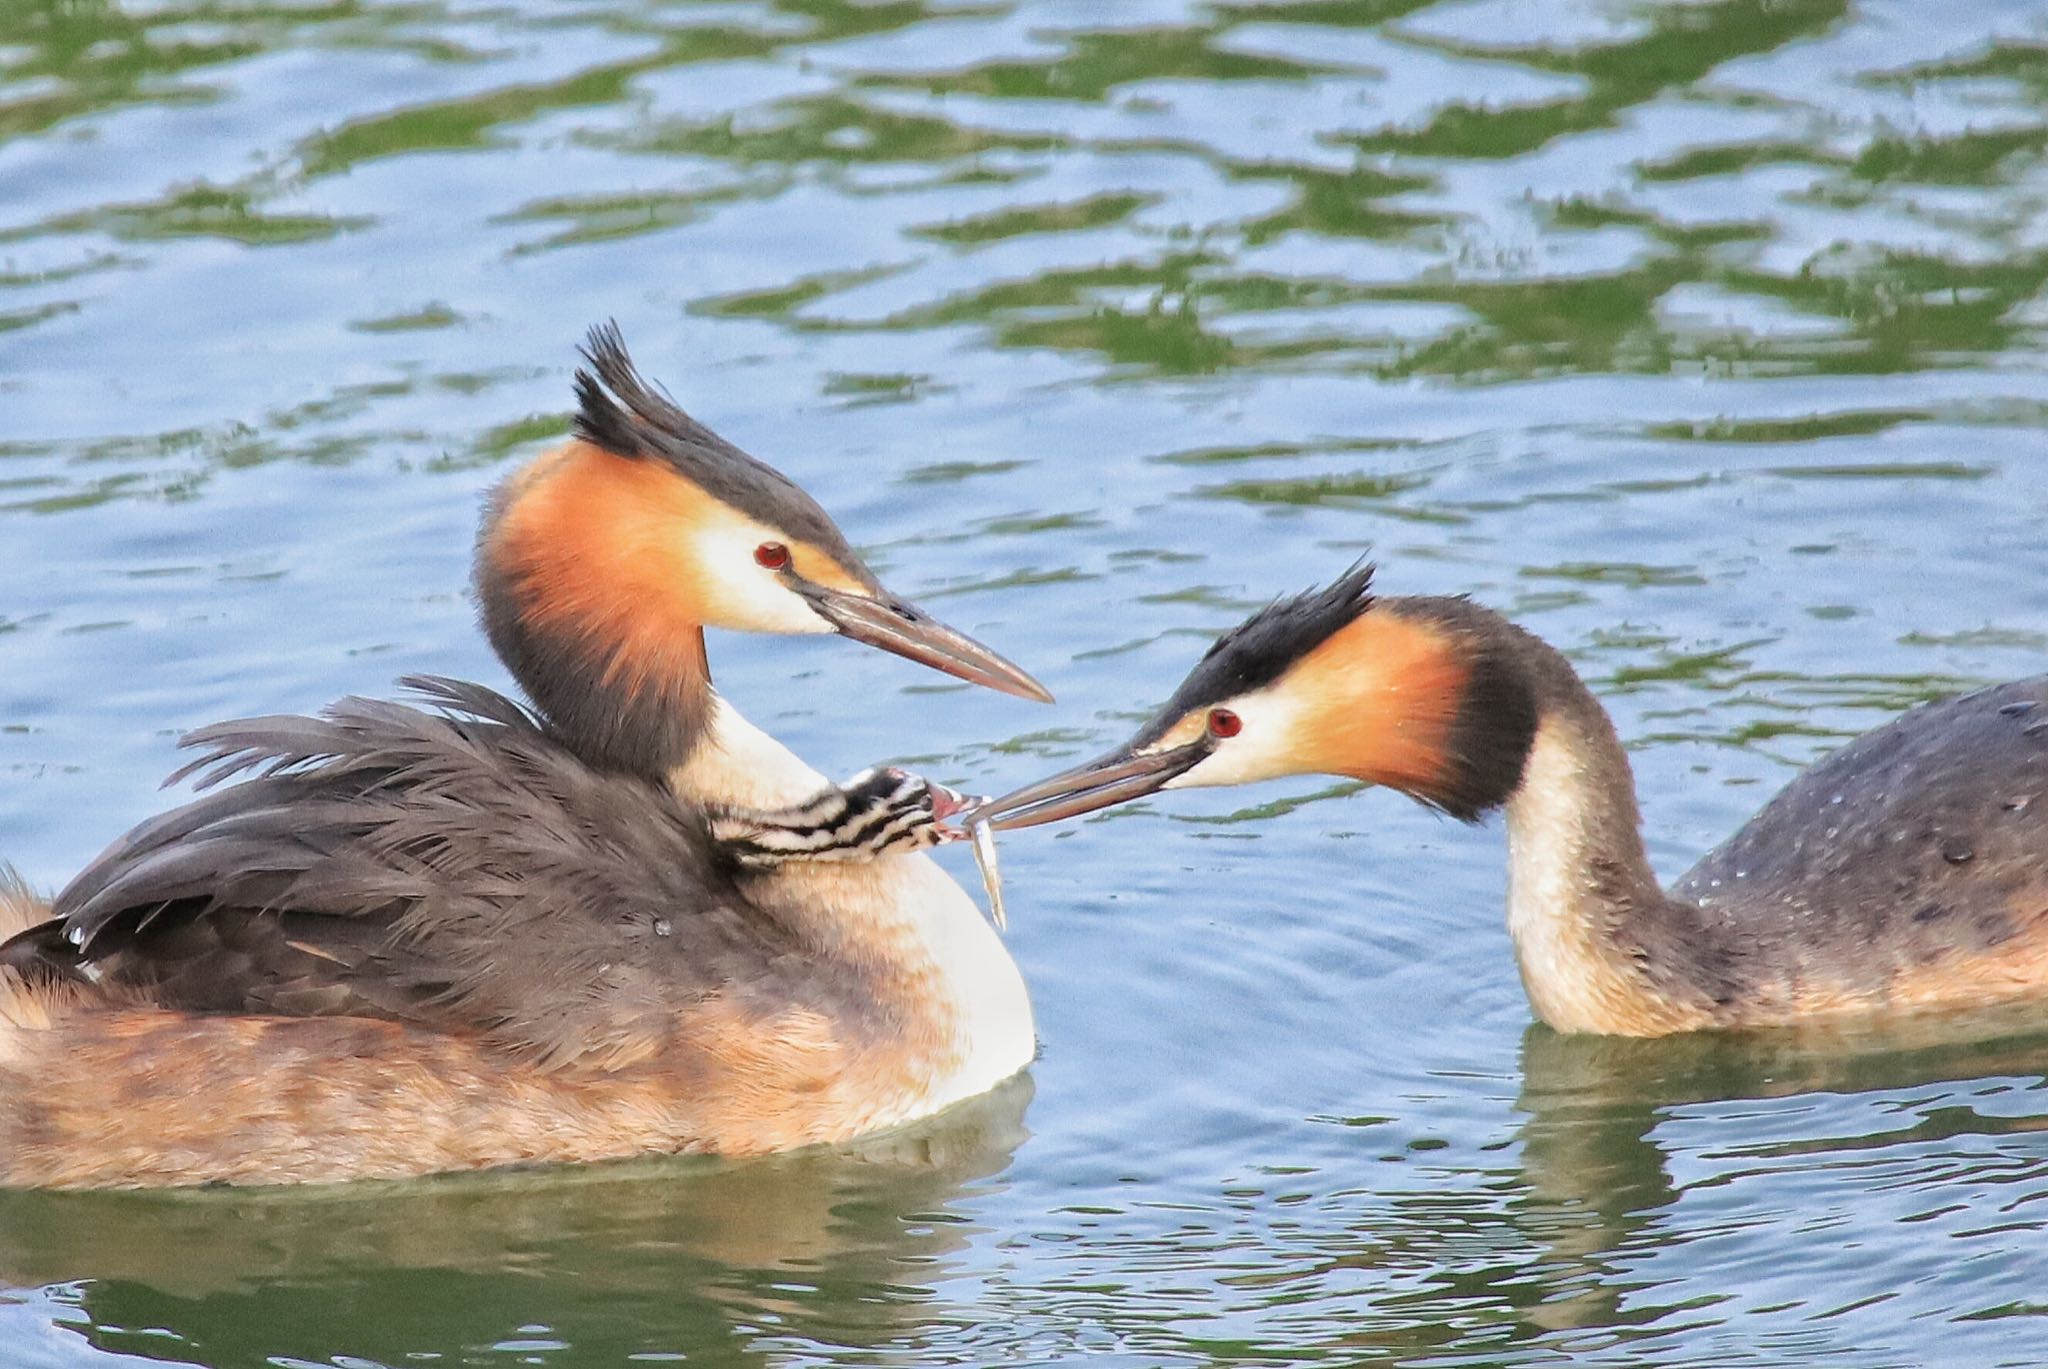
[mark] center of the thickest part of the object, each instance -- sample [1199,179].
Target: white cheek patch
[1267,747]
[741,593]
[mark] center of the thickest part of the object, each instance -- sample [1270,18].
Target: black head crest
[620,411]
[1267,645]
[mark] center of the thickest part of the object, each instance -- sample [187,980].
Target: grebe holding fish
[394,940]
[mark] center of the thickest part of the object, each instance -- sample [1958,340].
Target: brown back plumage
[458,870]
[1907,865]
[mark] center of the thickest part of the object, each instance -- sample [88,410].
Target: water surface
[1702,337]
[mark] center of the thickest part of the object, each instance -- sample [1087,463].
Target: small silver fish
[991,873]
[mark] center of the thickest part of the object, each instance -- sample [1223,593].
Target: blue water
[1703,338]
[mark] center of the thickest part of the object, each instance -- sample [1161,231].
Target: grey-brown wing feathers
[1921,839]
[456,868]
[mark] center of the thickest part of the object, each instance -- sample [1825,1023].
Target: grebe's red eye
[773,555]
[1224,723]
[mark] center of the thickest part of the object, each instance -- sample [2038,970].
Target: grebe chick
[1906,871]
[391,941]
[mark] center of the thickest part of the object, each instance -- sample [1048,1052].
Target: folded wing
[456,868]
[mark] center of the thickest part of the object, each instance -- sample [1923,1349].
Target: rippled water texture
[1702,337]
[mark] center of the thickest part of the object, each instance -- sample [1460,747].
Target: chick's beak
[1118,777]
[898,626]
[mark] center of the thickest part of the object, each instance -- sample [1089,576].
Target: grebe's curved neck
[1577,870]
[1600,946]
[580,598]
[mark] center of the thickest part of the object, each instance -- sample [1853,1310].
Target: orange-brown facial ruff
[632,559]
[1379,702]
[1408,693]
[593,548]
[600,564]
[1419,696]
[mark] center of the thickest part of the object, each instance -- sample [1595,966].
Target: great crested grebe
[407,941]
[1908,870]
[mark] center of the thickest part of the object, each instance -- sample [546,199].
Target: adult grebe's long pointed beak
[899,626]
[1118,777]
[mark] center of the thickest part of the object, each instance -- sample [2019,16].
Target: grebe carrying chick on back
[404,941]
[1907,871]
